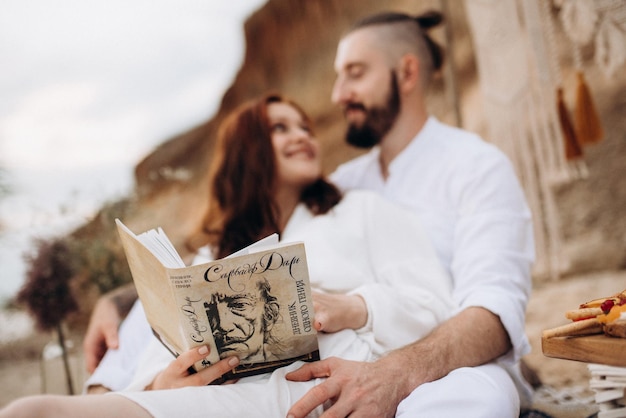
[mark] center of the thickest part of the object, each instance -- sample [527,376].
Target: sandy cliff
[290,48]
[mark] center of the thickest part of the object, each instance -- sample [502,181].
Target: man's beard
[378,120]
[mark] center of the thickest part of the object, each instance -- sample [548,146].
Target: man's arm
[102,332]
[375,389]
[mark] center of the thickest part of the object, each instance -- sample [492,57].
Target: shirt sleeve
[117,367]
[493,245]
[412,293]
[154,358]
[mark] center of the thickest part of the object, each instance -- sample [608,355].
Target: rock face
[290,48]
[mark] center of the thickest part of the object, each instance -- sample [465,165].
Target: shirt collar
[405,157]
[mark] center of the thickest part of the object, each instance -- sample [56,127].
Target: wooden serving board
[599,348]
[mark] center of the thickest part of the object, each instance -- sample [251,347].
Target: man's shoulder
[462,141]
[463,149]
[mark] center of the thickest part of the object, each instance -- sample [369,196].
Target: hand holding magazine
[255,304]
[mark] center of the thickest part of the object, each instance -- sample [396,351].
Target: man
[474,211]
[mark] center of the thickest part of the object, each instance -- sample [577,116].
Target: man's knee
[485,391]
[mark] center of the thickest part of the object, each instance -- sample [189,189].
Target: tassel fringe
[588,127]
[573,150]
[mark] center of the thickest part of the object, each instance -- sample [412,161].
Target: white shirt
[471,204]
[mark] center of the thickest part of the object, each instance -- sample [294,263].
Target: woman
[377,281]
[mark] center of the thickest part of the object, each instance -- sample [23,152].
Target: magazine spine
[195,327]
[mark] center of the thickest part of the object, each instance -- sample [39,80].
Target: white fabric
[364,245]
[484,391]
[472,206]
[380,251]
[266,398]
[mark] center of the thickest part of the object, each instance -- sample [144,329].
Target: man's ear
[408,72]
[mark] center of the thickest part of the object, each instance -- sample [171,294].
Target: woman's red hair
[241,206]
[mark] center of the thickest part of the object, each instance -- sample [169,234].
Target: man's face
[237,321]
[366,88]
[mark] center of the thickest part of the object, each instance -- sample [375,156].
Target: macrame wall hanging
[600,24]
[521,79]
[517,116]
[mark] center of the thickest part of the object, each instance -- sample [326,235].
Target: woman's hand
[337,312]
[177,375]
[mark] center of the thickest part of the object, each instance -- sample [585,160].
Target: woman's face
[296,150]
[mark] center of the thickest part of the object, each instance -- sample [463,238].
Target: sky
[88,88]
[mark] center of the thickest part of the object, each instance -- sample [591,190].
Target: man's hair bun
[429,19]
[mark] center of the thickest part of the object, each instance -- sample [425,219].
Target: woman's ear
[408,72]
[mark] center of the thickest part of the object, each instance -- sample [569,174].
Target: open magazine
[255,304]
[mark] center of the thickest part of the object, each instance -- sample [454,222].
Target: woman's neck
[286,201]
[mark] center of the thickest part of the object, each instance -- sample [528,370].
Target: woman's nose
[301,134]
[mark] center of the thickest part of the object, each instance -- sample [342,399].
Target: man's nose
[339,93]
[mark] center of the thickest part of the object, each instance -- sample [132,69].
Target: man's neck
[398,138]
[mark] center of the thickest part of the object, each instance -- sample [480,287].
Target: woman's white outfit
[363,246]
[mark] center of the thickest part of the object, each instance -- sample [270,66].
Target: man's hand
[177,375]
[334,313]
[475,336]
[101,333]
[358,389]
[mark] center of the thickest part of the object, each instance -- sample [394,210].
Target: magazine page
[152,283]
[255,304]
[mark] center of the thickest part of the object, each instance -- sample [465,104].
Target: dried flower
[47,292]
